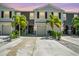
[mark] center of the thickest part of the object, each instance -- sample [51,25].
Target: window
[42,14]
[31,15]
[18,13]
[75,15]
[10,14]
[64,15]
[56,14]
[52,13]
[2,14]
[45,15]
[37,14]
[6,14]
[60,15]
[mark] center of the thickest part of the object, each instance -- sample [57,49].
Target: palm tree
[19,23]
[54,21]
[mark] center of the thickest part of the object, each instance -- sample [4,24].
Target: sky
[62,5]
[74,7]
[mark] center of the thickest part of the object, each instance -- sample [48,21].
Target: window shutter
[45,15]
[52,13]
[37,14]
[60,15]
[10,14]
[2,14]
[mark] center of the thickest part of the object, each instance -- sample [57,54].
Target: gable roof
[71,10]
[3,8]
[50,7]
[31,8]
[34,6]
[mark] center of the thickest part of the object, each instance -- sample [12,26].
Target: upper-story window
[2,14]
[18,13]
[75,15]
[10,14]
[45,15]
[42,14]
[60,15]
[37,14]
[64,15]
[56,14]
[6,14]
[31,15]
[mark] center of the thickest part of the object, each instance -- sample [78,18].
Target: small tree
[19,23]
[54,20]
[75,23]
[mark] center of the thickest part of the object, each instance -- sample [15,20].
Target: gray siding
[69,17]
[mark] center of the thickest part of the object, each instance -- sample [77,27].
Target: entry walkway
[35,46]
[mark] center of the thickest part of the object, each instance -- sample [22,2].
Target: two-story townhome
[36,18]
[5,20]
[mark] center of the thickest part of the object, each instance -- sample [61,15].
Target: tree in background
[75,24]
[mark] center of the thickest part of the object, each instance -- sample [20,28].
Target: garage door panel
[41,29]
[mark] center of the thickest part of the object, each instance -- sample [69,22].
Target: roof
[32,6]
[50,7]
[2,7]
[71,10]
[19,7]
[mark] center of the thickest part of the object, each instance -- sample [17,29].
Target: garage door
[41,29]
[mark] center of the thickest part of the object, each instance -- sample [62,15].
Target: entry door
[41,29]
[30,29]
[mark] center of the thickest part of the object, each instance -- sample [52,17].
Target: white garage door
[41,29]
[6,29]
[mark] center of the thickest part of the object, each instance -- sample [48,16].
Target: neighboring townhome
[5,20]
[69,14]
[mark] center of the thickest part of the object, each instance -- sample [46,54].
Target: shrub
[59,35]
[14,34]
[55,34]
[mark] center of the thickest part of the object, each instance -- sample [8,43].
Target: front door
[30,29]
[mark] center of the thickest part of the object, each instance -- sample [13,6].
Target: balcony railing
[5,20]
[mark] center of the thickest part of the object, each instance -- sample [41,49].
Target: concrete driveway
[35,46]
[72,39]
[47,47]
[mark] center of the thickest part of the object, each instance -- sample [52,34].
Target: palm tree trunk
[19,30]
